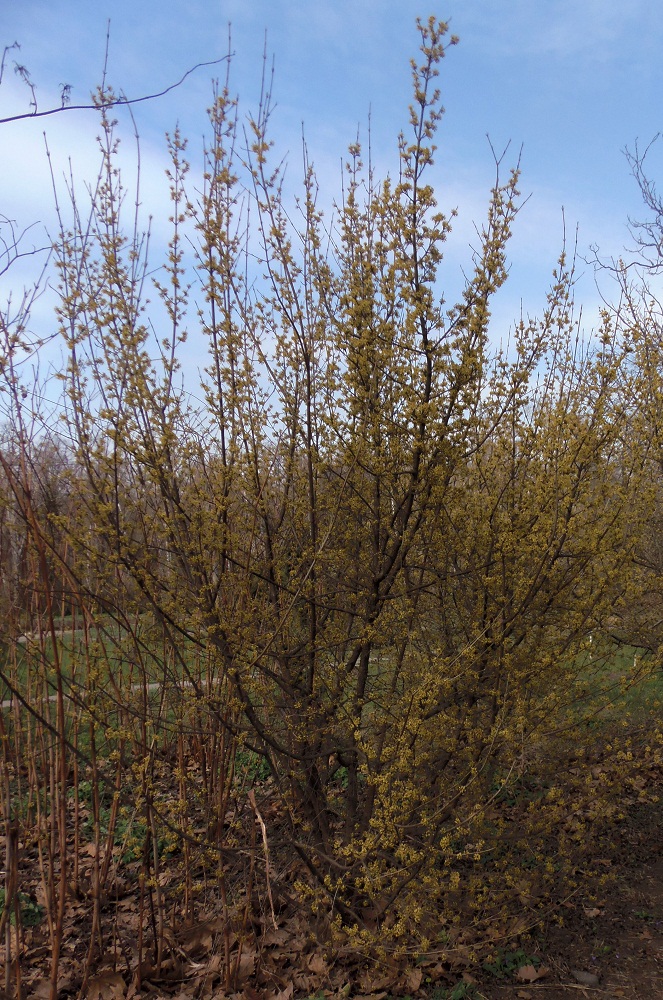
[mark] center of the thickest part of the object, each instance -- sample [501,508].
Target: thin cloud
[564,29]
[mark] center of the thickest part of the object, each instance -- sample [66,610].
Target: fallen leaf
[530,974]
[278,937]
[41,989]
[285,994]
[413,979]
[200,936]
[594,912]
[106,986]
[317,964]
[247,965]
[384,982]
[371,981]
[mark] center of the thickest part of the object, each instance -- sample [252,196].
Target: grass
[461,991]
[618,680]
[507,963]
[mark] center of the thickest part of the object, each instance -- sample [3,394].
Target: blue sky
[571,81]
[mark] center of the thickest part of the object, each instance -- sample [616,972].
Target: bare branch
[103,105]
[5,52]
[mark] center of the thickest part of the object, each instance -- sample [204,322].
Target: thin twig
[117,102]
[252,800]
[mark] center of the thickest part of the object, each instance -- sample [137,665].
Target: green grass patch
[31,912]
[507,963]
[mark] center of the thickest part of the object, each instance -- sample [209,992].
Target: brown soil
[610,946]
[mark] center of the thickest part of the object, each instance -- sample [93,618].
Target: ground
[608,944]
[611,947]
